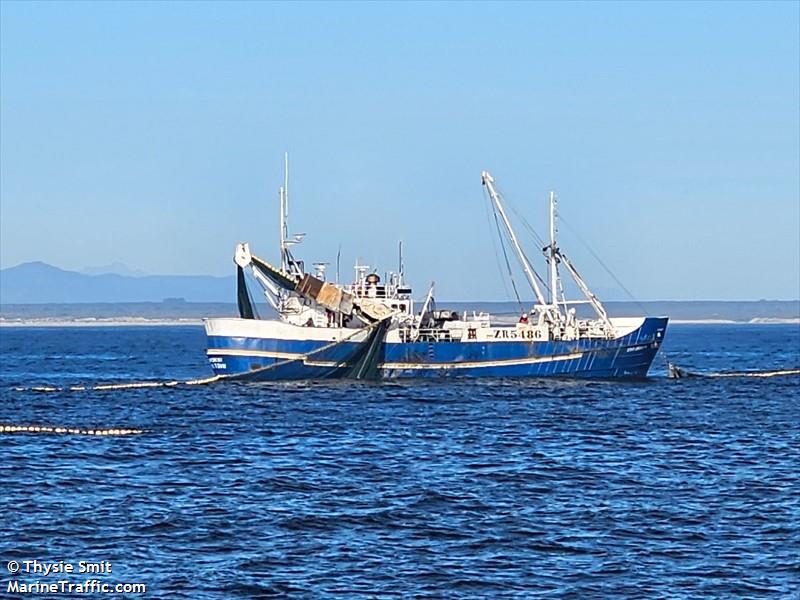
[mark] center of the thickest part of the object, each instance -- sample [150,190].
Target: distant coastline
[110,322]
[115,322]
[128,314]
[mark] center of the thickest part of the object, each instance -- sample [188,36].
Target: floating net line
[96,431]
[114,431]
[365,367]
[676,372]
[118,386]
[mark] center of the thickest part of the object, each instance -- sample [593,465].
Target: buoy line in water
[118,386]
[676,372]
[213,379]
[68,430]
[112,431]
[757,373]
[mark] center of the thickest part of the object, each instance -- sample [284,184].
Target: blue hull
[259,359]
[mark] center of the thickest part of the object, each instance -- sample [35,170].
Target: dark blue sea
[475,489]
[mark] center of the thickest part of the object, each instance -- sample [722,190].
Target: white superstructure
[305,300]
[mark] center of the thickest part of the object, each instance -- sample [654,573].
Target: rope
[757,374]
[118,386]
[174,383]
[67,430]
[302,357]
[10,429]
[505,256]
[536,238]
[675,372]
[191,382]
[586,245]
[539,241]
[494,244]
[148,385]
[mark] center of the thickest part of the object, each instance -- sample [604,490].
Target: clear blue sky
[153,134]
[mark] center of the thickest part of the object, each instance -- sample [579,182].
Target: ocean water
[474,489]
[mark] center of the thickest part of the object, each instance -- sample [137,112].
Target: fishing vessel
[373,328]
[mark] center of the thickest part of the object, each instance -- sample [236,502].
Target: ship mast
[554,256]
[283,192]
[530,274]
[553,253]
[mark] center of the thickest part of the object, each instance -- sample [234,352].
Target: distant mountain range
[38,282]
[115,268]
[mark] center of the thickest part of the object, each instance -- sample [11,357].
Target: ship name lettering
[516,335]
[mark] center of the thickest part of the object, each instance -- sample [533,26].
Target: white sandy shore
[757,321]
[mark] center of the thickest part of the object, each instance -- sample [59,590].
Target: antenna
[400,266]
[283,193]
[286,181]
[283,229]
[338,261]
[553,252]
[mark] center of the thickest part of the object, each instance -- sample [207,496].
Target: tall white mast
[400,266]
[488,181]
[284,199]
[553,248]
[286,182]
[283,230]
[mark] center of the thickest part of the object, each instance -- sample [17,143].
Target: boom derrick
[562,323]
[281,287]
[530,272]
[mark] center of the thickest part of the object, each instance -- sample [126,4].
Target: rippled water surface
[495,488]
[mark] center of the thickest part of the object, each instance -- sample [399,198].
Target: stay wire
[538,240]
[494,244]
[508,263]
[586,245]
[529,227]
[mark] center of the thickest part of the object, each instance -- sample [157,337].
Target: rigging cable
[494,246]
[508,264]
[603,265]
[539,241]
[528,226]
